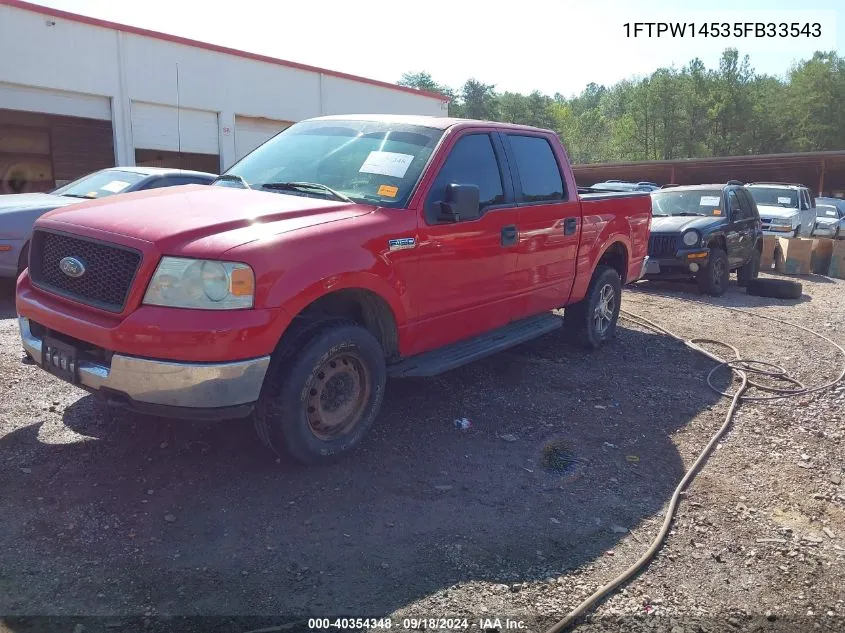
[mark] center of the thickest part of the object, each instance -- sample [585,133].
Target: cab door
[549,222]
[465,283]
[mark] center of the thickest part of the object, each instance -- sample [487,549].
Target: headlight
[781,222]
[202,284]
[691,238]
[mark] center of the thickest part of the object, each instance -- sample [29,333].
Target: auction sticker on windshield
[784,200]
[387,164]
[115,186]
[709,201]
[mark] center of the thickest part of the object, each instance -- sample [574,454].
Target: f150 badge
[402,243]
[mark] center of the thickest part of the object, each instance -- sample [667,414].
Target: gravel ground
[559,484]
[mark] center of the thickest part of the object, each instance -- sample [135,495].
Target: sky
[551,46]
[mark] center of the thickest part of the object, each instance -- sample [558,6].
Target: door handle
[570,225]
[509,235]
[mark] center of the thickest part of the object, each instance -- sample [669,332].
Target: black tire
[775,288]
[23,260]
[797,232]
[582,320]
[714,278]
[290,417]
[750,271]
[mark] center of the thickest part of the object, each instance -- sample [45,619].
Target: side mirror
[461,203]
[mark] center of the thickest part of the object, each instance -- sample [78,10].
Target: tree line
[675,113]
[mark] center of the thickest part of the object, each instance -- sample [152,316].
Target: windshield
[825,211]
[775,197]
[366,161]
[690,202]
[100,184]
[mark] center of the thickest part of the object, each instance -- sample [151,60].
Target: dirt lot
[143,517]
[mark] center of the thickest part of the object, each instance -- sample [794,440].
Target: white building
[78,94]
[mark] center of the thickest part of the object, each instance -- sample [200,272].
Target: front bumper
[684,263]
[773,230]
[823,230]
[190,390]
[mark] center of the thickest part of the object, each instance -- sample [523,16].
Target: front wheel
[750,271]
[320,399]
[592,321]
[714,277]
[797,232]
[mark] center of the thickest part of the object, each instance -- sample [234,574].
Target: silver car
[830,219]
[18,212]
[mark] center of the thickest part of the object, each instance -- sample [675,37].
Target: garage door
[27,99]
[163,127]
[250,132]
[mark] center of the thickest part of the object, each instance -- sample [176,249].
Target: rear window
[538,169]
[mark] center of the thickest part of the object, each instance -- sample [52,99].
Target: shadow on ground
[163,517]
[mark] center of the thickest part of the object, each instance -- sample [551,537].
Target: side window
[472,161]
[733,205]
[746,205]
[538,169]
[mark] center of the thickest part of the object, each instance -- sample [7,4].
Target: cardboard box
[822,252]
[794,255]
[837,260]
[767,259]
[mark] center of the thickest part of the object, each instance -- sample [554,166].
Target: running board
[470,350]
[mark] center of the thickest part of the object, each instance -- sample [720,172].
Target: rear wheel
[750,271]
[592,321]
[713,279]
[322,393]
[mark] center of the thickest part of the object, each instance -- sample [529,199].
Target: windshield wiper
[687,213]
[76,195]
[232,178]
[306,186]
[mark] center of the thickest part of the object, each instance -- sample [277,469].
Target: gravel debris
[756,538]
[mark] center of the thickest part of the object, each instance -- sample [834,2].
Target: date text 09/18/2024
[415,624]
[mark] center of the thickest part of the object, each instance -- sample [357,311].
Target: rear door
[465,282]
[549,222]
[746,225]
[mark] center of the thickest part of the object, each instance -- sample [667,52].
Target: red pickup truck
[344,250]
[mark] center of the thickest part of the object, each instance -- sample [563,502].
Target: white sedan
[830,222]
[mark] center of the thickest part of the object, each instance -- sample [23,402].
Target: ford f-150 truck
[340,252]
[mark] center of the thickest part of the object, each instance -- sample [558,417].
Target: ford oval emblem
[72,267]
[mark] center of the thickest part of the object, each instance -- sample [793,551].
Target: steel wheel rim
[337,395]
[605,308]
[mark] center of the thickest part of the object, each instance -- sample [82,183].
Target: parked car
[621,185]
[705,232]
[786,209]
[18,212]
[830,218]
[341,251]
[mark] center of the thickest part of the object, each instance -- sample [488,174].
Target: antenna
[178,119]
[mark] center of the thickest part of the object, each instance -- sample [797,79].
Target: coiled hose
[741,368]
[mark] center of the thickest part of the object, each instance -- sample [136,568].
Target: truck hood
[200,218]
[680,223]
[767,211]
[21,201]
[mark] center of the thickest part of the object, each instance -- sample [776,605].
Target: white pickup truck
[786,209]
